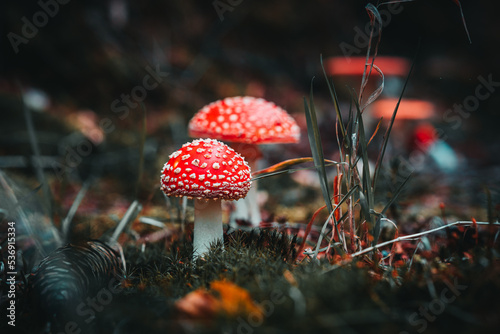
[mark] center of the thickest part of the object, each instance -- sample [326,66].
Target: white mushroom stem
[240,210]
[251,198]
[207,225]
[248,208]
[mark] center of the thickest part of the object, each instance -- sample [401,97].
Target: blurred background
[77,71]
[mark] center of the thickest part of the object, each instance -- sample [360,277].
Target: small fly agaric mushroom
[208,171]
[248,121]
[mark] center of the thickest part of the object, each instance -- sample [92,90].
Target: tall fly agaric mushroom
[208,171]
[249,122]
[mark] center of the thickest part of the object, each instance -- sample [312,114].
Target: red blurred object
[425,135]
[390,66]
[409,109]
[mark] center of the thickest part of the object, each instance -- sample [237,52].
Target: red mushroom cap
[424,136]
[206,168]
[409,109]
[390,66]
[245,120]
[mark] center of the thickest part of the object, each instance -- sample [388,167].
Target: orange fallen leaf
[234,300]
[198,304]
[224,298]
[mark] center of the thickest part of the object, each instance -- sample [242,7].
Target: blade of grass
[292,170]
[396,194]
[37,159]
[322,233]
[31,194]
[375,17]
[317,149]
[359,131]
[291,162]
[22,216]
[375,132]
[129,216]
[65,225]
[287,163]
[376,233]
[327,238]
[367,188]
[308,229]
[366,163]
[459,4]
[377,91]
[335,100]
[385,140]
[365,210]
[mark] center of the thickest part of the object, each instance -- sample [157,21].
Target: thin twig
[130,215]
[37,157]
[406,237]
[341,238]
[413,256]
[416,235]
[65,226]
[22,216]
[152,221]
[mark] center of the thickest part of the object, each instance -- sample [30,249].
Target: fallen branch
[406,237]
[416,235]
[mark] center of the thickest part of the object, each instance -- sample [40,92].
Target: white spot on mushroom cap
[175,154]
